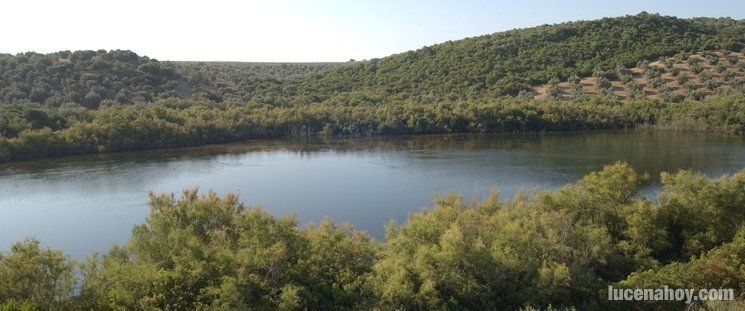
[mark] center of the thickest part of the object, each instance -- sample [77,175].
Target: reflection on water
[87,203]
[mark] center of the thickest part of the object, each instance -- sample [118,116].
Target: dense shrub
[178,123]
[543,248]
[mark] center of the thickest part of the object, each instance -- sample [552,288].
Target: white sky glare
[335,30]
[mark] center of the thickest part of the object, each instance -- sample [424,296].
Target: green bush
[558,248]
[213,252]
[33,277]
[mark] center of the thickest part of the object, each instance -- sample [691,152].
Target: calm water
[87,203]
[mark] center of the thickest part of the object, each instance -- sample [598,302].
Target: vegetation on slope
[93,78]
[240,82]
[458,86]
[508,62]
[683,76]
[474,68]
[560,248]
[85,78]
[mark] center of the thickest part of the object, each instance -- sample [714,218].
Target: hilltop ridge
[488,66]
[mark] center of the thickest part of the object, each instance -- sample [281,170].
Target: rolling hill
[644,70]
[488,66]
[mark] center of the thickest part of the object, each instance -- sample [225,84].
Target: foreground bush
[212,252]
[40,276]
[542,249]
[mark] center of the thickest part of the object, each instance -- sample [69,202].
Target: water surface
[87,203]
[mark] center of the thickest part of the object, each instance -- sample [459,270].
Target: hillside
[89,78]
[84,77]
[508,62]
[102,101]
[489,66]
[683,76]
[242,81]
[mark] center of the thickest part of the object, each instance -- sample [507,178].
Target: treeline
[479,68]
[557,248]
[28,132]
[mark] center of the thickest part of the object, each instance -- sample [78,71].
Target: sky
[295,30]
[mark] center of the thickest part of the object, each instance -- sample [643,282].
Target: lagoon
[88,203]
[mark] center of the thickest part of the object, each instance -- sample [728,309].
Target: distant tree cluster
[87,78]
[28,132]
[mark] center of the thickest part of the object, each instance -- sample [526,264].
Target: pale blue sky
[288,30]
